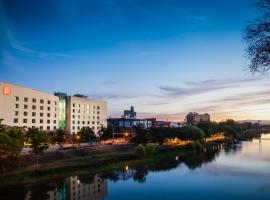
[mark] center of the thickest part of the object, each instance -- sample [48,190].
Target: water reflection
[228,164]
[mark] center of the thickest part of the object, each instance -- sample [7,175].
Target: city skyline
[164,58]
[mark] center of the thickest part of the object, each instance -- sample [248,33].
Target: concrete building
[195,118]
[84,112]
[24,107]
[130,114]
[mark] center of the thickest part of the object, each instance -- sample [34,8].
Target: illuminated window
[7,90]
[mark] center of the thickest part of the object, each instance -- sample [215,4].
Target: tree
[195,133]
[86,134]
[39,141]
[257,37]
[58,136]
[141,135]
[106,133]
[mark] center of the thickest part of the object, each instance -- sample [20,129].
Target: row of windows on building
[85,117]
[88,112]
[85,106]
[34,100]
[41,121]
[34,107]
[84,122]
[34,114]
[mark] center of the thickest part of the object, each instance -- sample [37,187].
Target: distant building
[129,114]
[195,118]
[163,124]
[25,107]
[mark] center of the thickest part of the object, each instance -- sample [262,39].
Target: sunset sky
[166,58]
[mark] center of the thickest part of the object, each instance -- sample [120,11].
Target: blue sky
[164,57]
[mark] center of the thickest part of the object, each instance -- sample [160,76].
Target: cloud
[192,87]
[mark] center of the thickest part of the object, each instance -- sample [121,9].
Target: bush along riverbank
[193,155]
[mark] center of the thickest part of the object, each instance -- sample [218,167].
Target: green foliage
[195,133]
[106,133]
[86,134]
[58,136]
[39,140]
[141,135]
[150,149]
[140,150]
[11,140]
[198,146]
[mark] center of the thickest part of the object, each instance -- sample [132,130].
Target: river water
[236,171]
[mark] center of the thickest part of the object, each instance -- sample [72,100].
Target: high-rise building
[195,118]
[24,107]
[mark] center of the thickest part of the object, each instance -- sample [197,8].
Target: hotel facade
[24,107]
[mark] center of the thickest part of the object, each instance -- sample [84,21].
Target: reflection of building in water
[75,189]
[125,174]
[97,189]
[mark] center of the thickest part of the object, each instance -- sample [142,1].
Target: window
[55,103]
[54,128]
[25,106]
[48,121]
[78,122]
[98,107]
[54,121]
[93,127]
[74,105]
[41,101]
[33,114]
[93,122]
[33,126]
[48,115]
[49,102]
[48,128]
[94,107]
[15,120]
[97,122]
[16,98]
[94,117]
[98,112]
[25,99]
[16,105]
[34,107]
[73,127]
[49,108]
[41,115]
[82,106]
[41,121]
[98,117]
[16,113]
[41,107]
[73,122]
[88,122]
[24,113]
[73,110]
[33,121]
[73,116]
[34,100]
[41,127]
[24,120]
[78,128]
[82,122]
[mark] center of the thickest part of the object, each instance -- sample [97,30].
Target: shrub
[140,150]
[191,147]
[198,146]
[150,149]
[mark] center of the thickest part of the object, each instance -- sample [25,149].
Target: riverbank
[91,164]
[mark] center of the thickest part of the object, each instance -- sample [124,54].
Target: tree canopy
[257,37]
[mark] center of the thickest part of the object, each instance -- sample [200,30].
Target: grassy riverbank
[90,164]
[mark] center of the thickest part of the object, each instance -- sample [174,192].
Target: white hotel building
[24,107]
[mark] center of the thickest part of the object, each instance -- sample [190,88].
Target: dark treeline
[230,128]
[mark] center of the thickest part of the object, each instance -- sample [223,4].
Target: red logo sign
[7,90]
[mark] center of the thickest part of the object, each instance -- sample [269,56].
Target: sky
[164,57]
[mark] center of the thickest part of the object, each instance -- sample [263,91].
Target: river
[236,171]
